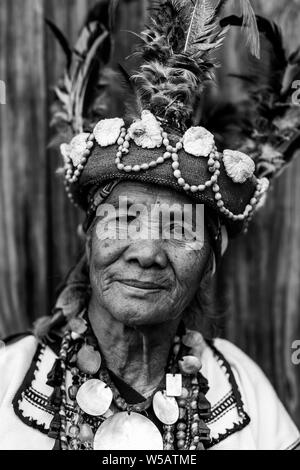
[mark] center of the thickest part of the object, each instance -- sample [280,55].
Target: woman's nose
[147,253]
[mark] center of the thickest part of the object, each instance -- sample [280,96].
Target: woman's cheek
[106,252]
[188,264]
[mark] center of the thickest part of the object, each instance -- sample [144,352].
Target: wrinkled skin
[140,288]
[173,272]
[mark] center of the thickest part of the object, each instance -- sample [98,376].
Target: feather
[200,25]
[78,94]
[264,75]
[249,23]
[176,48]
[292,72]
[113,16]
[83,70]
[290,148]
[220,6]
[61,39]
[133,103]
[274,123]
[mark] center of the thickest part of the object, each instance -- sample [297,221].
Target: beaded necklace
[98,407]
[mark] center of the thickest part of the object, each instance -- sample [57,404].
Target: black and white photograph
[149,228]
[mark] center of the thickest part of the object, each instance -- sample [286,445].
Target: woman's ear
[210,268]
[200,311]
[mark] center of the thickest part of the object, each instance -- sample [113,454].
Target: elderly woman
[120,364]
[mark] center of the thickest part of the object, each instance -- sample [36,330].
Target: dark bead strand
[168,437]
[195,417]
[187,442]
[62,412]
[204,412]
[75,442]
[181,427]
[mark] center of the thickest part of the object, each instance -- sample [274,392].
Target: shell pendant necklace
[101,419]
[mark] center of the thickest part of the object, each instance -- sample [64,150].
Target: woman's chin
[141,315]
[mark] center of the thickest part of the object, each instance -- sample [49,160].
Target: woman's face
[146,268]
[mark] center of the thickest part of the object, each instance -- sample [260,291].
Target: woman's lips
[143,285]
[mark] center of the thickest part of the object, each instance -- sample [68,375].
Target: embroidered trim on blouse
[245,419]
[222,407]
[29,377]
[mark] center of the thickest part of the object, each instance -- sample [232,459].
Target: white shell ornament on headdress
[107,131]
[124,431]
[146,132]
[74,150]
[239,166]
[198,141]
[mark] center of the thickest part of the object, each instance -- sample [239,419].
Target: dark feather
[248,24]
[292,73]
[132,102]
[220,6]
[266,74]
[291,147]
[266,27]
[61,39]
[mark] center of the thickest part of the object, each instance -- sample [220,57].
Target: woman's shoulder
[15,358]
[17,346]
[270,423]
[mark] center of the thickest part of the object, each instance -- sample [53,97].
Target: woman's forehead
[136,192]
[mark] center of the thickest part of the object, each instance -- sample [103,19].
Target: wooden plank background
[258,293]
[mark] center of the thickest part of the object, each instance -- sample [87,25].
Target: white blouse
[246,412]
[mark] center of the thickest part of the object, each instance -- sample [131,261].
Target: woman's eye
[181,232]
[125,219]
[176,229]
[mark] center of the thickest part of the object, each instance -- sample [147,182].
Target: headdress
[157,138]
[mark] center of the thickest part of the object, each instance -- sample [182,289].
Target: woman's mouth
[142,285]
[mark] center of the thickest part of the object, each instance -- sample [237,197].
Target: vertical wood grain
[22,204]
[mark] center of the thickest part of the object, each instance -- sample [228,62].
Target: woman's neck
[138,355]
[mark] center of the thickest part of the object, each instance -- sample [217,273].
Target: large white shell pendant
[165,408]
[124,431]
[94,397]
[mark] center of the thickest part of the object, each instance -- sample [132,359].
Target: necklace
[103,420]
